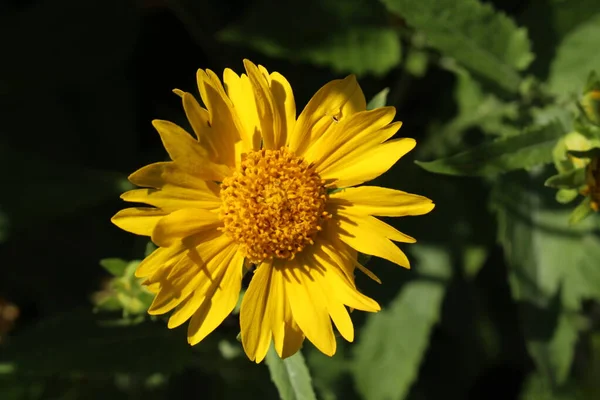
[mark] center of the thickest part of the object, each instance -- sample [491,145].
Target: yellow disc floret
[273,205]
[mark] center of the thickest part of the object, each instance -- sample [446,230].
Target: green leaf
[582,211]
[474,259]
[567,180]
[532,147]
[393,342]
[329,373]
[537,388]
[593,83]
[565,196]
[349,36]
[476,110]
[81,342]
[485,41]
[553,268]
[291,376]
[379,100]
[576,56]
[568,14]
[114,266]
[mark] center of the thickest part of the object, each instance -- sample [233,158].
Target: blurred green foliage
[504,297]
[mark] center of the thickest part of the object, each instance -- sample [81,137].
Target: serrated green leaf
[115,266]
[393,342]
[379,100]
[576,56]
[476,110]
[553,268]
[349,36]
[532,147]
[484,40]
[291,376]
[567,180]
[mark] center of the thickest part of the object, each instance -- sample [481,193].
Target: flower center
[273,205]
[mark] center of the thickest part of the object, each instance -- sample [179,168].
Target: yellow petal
[138,220]
[285,104]
[162,257]
[352,171]
[342,255]
[184,278]
[268,114]
[186,309]
[287,341]
[225,127]
[256,317]
[371,236]
[165,174]
[342,284]
[309,305]
[198,118]
[220,295]
[352,137]
[188,153]
[266,313]
[239,90]
[339,98]
[178,143]
[335,307]
[172,199]
[183,223]
[196,266]
[373,200]
[349,295]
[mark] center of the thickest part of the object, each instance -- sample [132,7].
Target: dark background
[80,82]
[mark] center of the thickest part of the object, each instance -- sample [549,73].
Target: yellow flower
[259,188]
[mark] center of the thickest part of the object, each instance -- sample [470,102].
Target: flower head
[263,190]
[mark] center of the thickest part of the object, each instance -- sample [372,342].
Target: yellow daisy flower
[261,189]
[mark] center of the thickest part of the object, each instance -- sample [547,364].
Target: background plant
[503,299]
